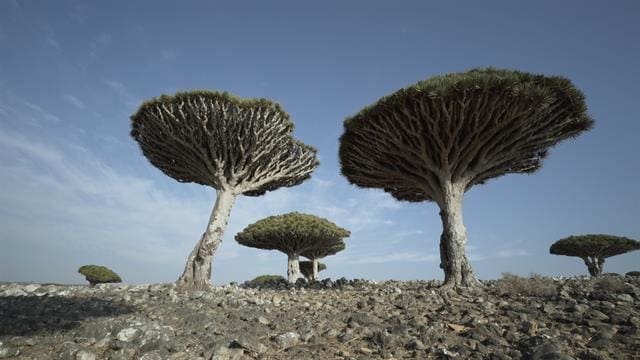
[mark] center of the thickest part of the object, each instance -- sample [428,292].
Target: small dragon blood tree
[307,267]
[293,234]
[96,274]
[593,249]
[319,253]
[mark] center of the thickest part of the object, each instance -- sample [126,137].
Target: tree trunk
[594,265]
[453,259]
[314,274]
[293,268]
[197,272]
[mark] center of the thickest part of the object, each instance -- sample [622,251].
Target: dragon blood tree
[593,249]
[237,146]
[97,274]
[307,267]
[434,140]
[293,234]
[318,253]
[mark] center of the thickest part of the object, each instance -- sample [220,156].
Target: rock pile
[571,318]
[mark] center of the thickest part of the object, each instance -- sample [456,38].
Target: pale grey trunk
[293,268]
[314,274]
[453,258]
[594,265]
[197,272]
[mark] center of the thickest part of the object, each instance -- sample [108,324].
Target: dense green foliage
[306,268]
[265,279]
[292,233]
[213,95]
[538,88]
[96,274]
[594,245]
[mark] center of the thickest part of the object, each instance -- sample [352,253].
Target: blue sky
[75,189]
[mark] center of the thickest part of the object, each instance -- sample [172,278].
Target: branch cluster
[459,128]
[219,140]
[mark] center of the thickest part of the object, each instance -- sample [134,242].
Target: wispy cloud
[73,101]
[168,55]
[123,93]
[42,113]
[379,258]
[512,253]
[410,233]
[52,42]
[98,43]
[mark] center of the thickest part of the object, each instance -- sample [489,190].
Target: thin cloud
[52,42]
[99,43]
[73,101]
[407,256]
[123,93]
[168,55]
[42,113]
[410,233]
[512,253]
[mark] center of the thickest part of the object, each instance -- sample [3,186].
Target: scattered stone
[128,334]
[323,319]
[287,339]
[85,354]
[276,299]
[250,343]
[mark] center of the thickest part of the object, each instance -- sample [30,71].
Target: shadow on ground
[25,315]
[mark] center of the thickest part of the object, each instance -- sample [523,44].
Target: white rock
[287,339]
[85,354]
[31,287]
[127,335]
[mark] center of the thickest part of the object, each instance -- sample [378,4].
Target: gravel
[330,319]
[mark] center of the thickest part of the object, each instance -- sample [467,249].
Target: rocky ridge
[515,318]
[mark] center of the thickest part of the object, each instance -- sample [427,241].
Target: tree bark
[314,274]
[594,265]
[197,271]
[453,258]
[293,268]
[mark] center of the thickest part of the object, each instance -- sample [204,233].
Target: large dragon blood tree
[593,249]
[293,234]
[237,146]
[434,140]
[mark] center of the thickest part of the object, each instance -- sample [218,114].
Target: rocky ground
[514,318]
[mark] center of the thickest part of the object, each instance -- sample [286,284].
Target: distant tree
[307,269]
[319,253]
[436,139]
[265,280]
[593,249]
[292,234]
[96,274]
[236,146]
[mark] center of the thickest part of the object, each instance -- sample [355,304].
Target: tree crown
[99,274]
[594,245]
[223,141]
[463,128]
[292,233]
